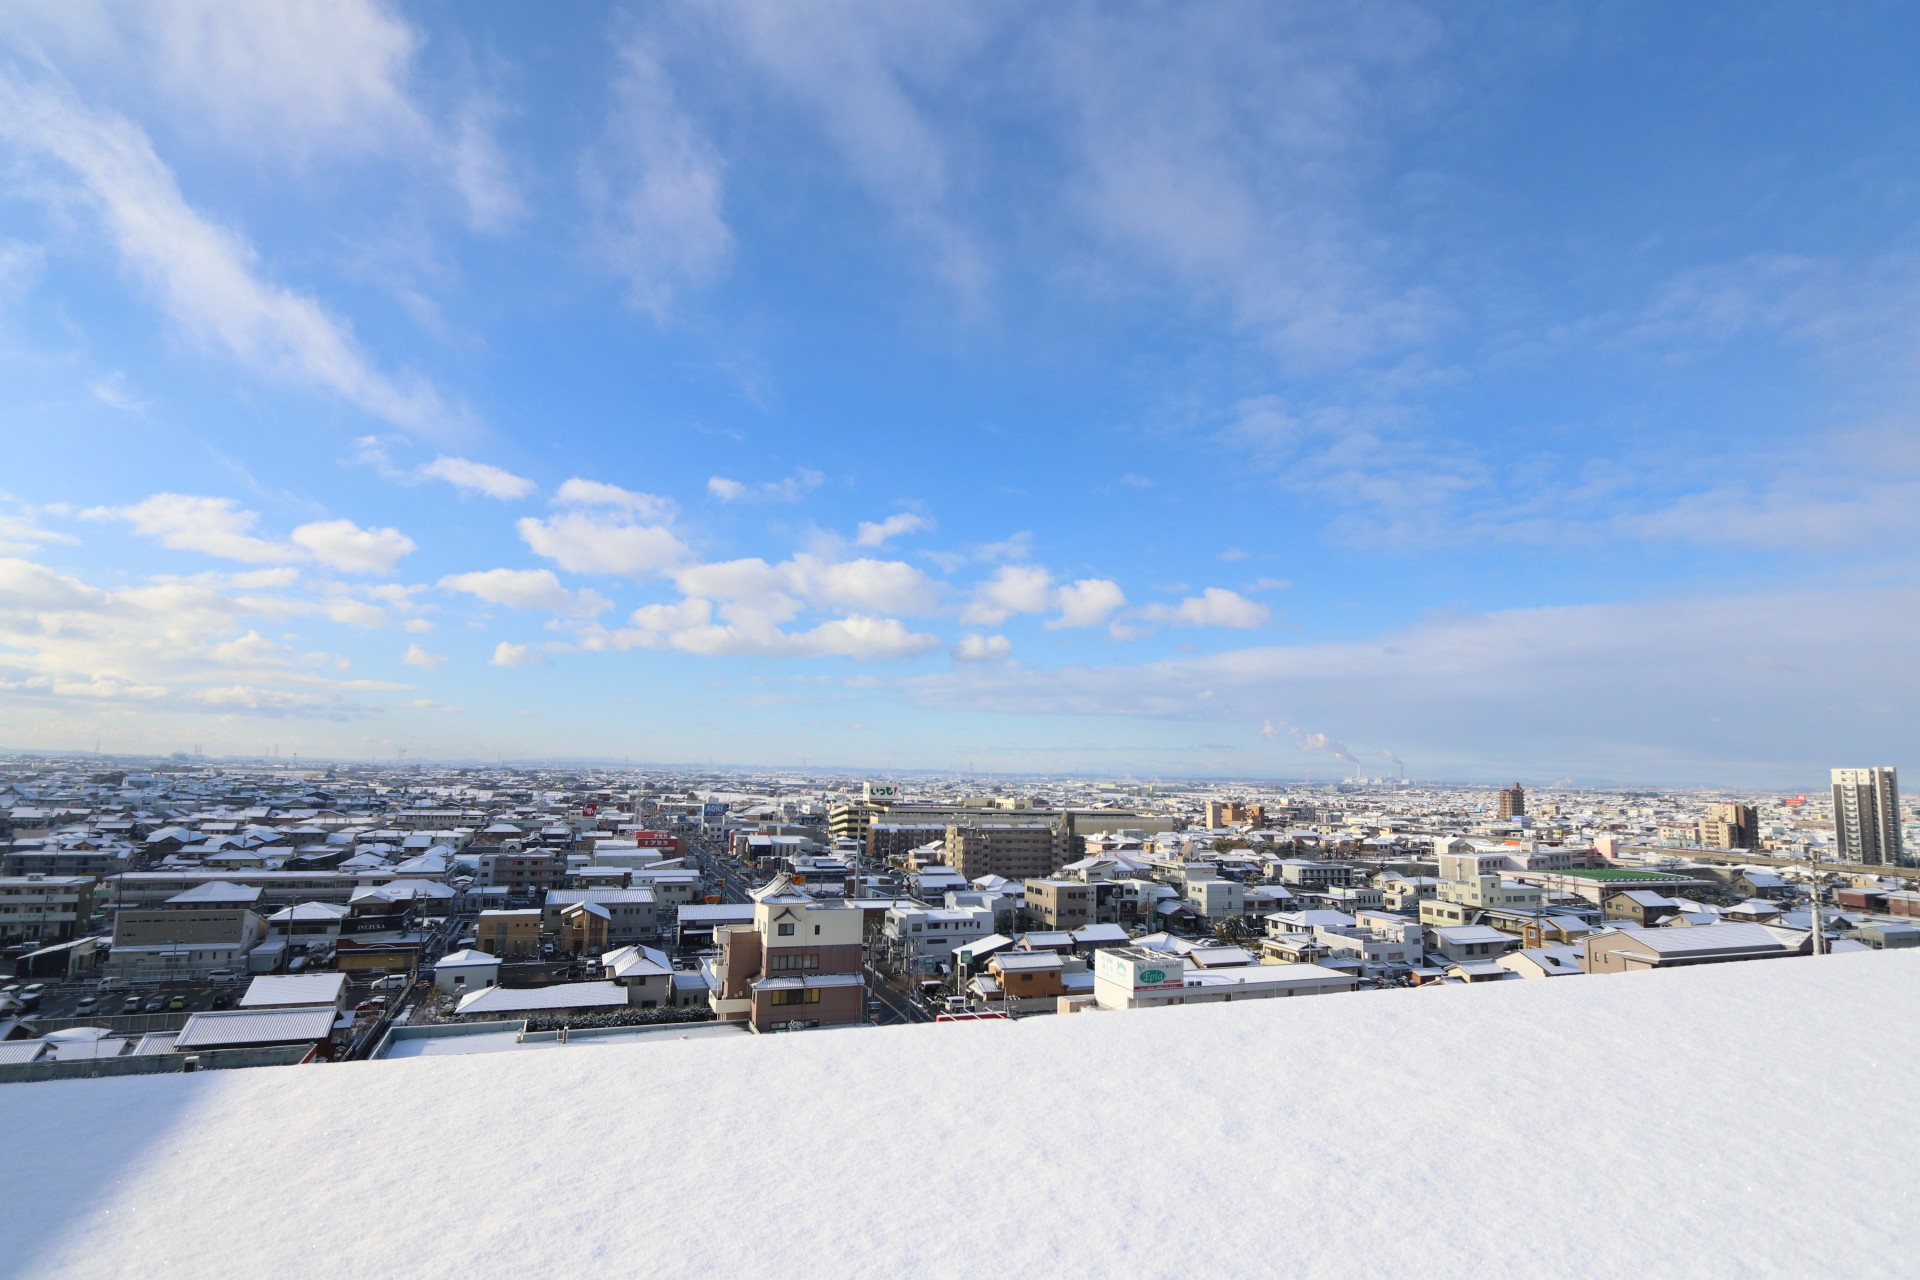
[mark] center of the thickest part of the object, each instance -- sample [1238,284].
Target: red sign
[589,809]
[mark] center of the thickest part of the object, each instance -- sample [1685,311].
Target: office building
[1866,815]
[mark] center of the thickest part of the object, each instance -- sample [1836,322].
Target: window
[786,931]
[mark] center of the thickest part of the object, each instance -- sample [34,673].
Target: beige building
[1015,851]
[1059,904]
[1511,802]
[510,935]
[1731,826]
[1629,949]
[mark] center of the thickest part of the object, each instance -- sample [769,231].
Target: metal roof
[232,1028]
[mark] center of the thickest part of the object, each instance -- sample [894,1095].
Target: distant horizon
[866,774]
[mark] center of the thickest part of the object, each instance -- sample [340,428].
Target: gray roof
[232,1028]
[291,990]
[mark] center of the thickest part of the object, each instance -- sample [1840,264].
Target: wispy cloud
[204,275]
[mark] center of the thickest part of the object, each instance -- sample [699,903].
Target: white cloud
[982,648]
[415,656]
[479,171]
[349,612]
[221,527]
[516,655]
[595,493]
[1012,589]
[1645,692]
[852,65]
[876,533]
[478,477]
[656,182]
[212,526]
[111,391]
[586,542]
[865,638]
[22,532]
[286,83]
[1213,607]
[528,589]
[803,481]
[342,544]
[203,275]
[182,645]
[1087,603]
[880,585]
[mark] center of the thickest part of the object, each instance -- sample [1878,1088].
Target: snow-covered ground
[1735,1120]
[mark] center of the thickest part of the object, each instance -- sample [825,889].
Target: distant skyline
[1215,389]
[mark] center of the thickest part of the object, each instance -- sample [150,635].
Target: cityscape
[750,638]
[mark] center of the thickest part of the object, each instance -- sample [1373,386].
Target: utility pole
[1813,879]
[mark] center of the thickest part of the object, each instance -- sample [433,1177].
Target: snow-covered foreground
[1732,1120]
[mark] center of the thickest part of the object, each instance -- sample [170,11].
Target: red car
[374,1005]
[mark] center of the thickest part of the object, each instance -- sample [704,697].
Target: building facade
[1866,815]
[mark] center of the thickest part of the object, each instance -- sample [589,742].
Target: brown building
[1643,907]
[1511,802]
[1029,974]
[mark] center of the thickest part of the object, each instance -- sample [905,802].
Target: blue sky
[1154,389]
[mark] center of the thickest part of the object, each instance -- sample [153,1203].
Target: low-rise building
[43,908]
[1139,978]
[1058,904]
[511,935]
[179,945]
[1630,948]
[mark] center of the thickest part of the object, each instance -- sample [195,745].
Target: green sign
[1152,975]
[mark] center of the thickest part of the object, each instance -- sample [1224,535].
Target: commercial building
[926,937]
[1866,815]
[181,945]
[1138,978]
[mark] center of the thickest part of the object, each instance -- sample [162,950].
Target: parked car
[132,1005]
[375,1005]
[224,1000]
[156,1003]
[86,1004]
[34,990]
[177,1003]
[392,981]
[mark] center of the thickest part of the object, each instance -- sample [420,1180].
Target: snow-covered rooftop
[1517,1166]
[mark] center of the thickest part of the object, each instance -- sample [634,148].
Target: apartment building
[1016,851]
[40,908]
[800,964]
[1731,826]
[926,937]
[1866,815]
[1510,802]
[1059,904]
